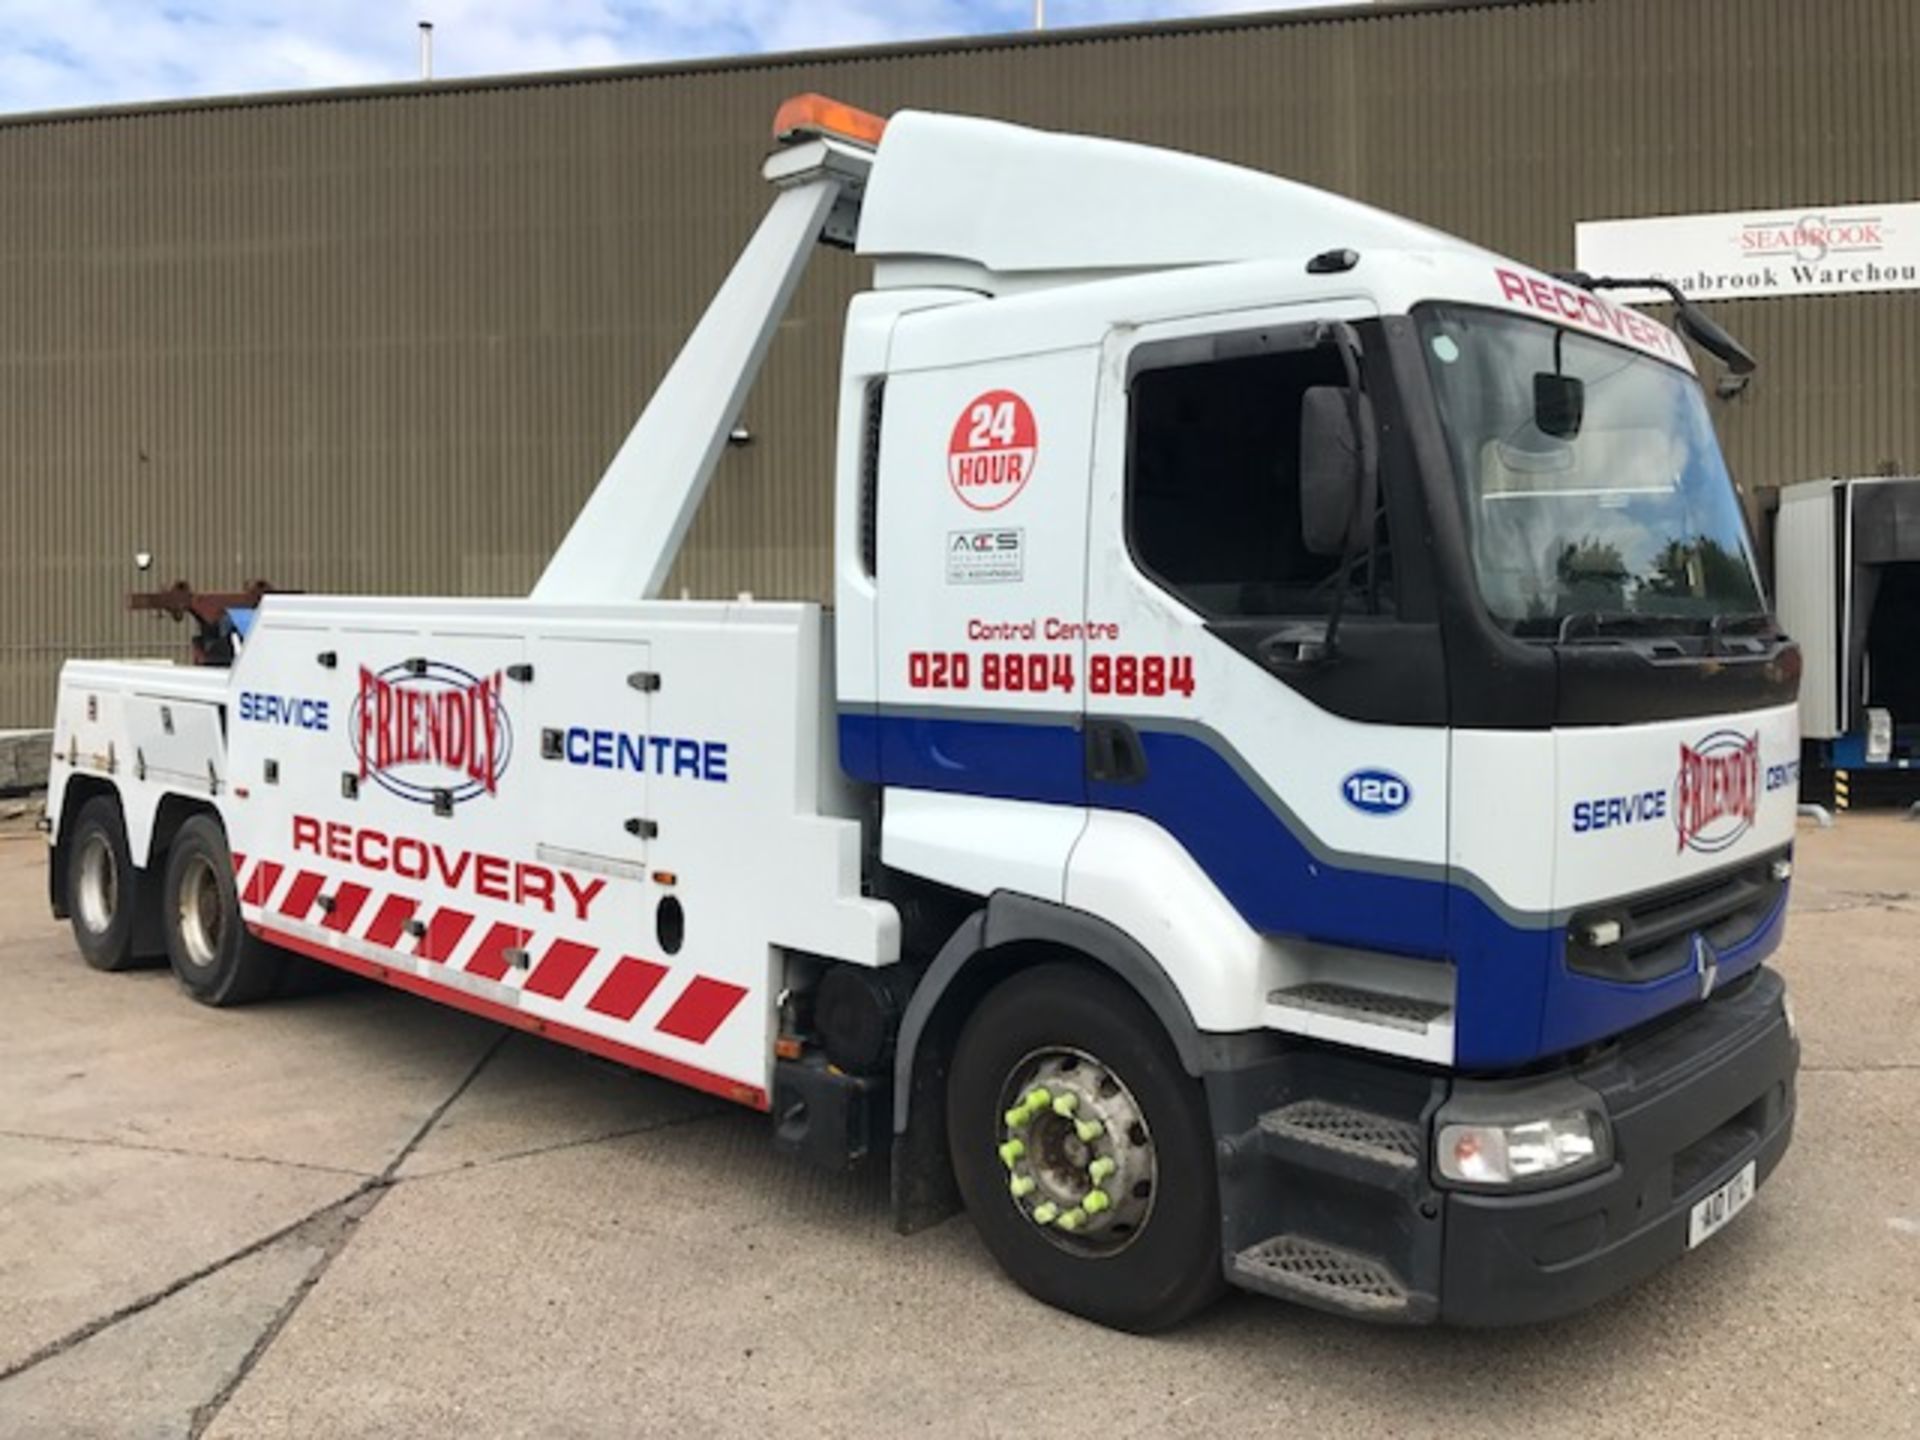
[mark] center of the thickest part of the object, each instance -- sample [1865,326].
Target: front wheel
[1083,1151]
[214,956]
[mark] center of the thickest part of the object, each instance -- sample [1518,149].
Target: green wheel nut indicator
[1095,1202]
[1066,1104]
[1037,1099]
[1087,1130]
[1021,1186]
[1045,1213]
[1011,1152]
[1100,1169]
[1073,1219]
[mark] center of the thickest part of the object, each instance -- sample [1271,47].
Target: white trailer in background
[1294,790]
[1846,580]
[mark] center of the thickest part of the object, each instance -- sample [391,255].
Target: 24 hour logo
[992,450]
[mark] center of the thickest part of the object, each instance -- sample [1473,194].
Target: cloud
[59,53]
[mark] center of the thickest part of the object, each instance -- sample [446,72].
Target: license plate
[1721,1206]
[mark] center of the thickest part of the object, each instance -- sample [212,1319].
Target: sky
[60,53]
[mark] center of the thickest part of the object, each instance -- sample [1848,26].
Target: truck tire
[1083,1152]
[214,956]
[102,886]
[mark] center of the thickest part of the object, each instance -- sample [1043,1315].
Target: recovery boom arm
[625,538]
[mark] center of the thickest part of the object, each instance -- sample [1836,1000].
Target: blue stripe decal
[1006,759]
[1195,794]
[1516,1000]
[1580,1009]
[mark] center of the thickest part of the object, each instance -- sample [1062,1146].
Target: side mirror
[1335,511]
[1559,404]
[1695,324]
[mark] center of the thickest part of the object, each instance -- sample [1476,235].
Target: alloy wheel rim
[98,893]
[1079,1157]
[201,913]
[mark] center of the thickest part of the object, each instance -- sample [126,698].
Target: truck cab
[1367,627]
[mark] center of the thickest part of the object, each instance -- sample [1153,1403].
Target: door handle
[1295,647]
[1115,755]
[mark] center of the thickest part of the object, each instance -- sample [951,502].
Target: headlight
[1529,1150]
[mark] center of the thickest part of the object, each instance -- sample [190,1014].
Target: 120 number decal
[1376,792]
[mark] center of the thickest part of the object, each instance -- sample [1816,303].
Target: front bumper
[1689,1102]
[1689,1107]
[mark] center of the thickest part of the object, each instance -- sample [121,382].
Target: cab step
[1292,1267]
[1402,1012]
[1321,1125]
[1377,1020]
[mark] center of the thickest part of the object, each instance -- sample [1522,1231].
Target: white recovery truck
[1295,789]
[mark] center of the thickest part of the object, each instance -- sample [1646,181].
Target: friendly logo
[1717,792]
[423,728]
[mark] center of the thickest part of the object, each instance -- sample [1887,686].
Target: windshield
[1625,515]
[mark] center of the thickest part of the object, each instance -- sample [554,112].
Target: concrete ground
[356,1214]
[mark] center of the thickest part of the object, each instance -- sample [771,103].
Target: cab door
[1311,789]
[981,579]
[982,561]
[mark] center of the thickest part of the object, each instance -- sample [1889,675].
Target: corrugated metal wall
[386,342]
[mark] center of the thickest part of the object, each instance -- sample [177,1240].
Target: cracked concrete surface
[165,1361]
[358,1214]
[90,1231]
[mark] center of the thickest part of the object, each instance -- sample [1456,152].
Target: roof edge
[1346,10]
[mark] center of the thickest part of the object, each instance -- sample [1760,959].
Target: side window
[1213,488]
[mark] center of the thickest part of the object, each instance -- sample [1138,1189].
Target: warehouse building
[385,340]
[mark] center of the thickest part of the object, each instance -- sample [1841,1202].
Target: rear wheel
[102,886]
[1083,1150]
[213,954]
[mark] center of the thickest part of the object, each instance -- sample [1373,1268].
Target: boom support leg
[626,536]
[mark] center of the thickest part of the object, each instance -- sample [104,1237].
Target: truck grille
[1657,926]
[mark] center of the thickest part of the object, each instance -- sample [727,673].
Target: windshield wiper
[1760,622]
[1599,621]
[1598,626]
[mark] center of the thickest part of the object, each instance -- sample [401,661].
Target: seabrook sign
[1754,254]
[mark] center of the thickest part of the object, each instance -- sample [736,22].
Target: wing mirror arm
[1362,495]
[1689,318]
